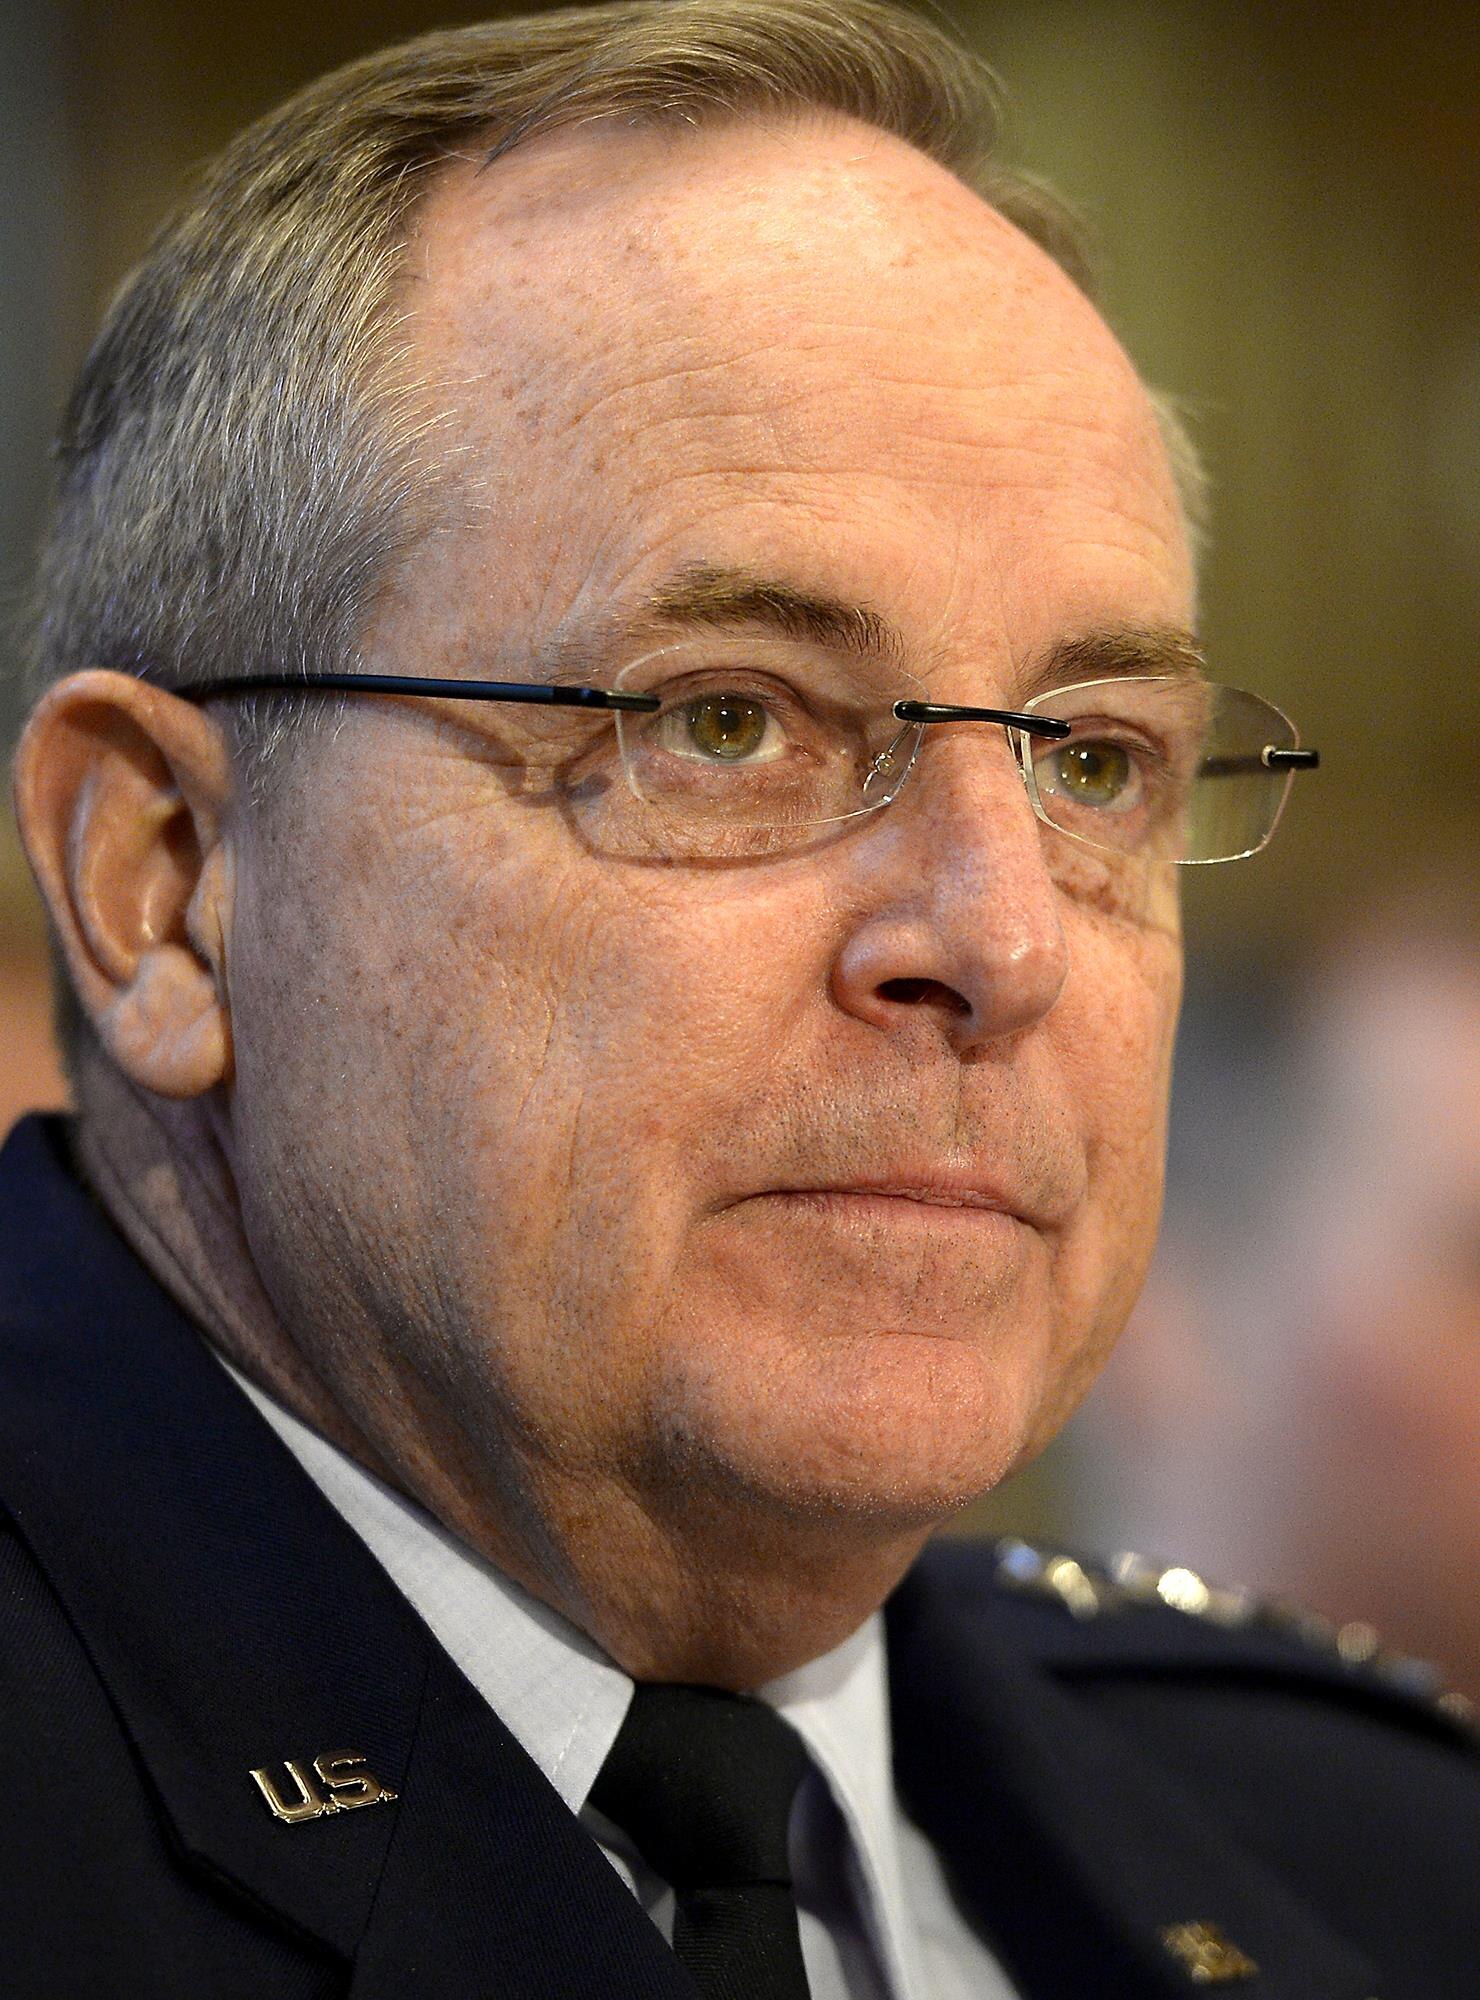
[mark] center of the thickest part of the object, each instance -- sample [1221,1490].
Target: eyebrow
[1117,652]
[713,595]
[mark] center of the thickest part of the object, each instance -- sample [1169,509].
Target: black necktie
[703,1782]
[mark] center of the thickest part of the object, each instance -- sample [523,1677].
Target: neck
[164,1176]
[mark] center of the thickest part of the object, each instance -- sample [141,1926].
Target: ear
[121,791]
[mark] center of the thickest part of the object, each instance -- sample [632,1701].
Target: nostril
[918,992]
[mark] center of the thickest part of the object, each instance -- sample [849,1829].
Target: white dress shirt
[877,1919]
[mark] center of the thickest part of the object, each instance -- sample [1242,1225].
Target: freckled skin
[506,1111]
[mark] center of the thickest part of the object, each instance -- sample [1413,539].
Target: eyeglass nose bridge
[913,713]
[1010,718]
[917,713]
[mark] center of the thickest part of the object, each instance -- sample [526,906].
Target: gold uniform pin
[337,1782]
[1210,1958]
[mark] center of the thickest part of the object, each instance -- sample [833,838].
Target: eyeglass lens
[1170,768]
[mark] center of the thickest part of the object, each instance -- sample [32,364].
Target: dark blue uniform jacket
[179,1607]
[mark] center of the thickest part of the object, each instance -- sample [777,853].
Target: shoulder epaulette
[1094,1587]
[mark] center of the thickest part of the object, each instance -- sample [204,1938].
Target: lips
[937,1194]
[1032,1184]
[958,1192]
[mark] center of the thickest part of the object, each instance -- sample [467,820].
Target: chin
[896,1430]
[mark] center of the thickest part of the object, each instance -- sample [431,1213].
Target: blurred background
[1287,199]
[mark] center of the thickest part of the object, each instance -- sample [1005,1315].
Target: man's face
[558,1154]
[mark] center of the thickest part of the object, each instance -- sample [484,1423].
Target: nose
[959,922]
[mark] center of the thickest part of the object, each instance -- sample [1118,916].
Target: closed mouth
[899,1196]
[934,1196]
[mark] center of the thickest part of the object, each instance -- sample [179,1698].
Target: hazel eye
[727,727]
[1093,773]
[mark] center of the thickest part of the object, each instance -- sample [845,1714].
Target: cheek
[1112,1036]
[613,1023]
[487,1067]
[1114,1033]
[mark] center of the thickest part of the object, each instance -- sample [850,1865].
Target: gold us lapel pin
[1206,1955]
[339,1781]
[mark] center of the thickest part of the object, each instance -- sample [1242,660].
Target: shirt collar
[552,1687]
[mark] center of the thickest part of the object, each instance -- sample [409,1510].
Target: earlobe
[121,791]
[167,1028]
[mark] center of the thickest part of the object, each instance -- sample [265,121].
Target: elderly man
[619,713]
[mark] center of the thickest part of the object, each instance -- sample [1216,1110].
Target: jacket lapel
[1074,1855]
[238,1625]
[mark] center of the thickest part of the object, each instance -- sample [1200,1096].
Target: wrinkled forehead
[790,305]
[593,246]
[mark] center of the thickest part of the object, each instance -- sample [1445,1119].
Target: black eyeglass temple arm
[1270,758]
[527,691]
